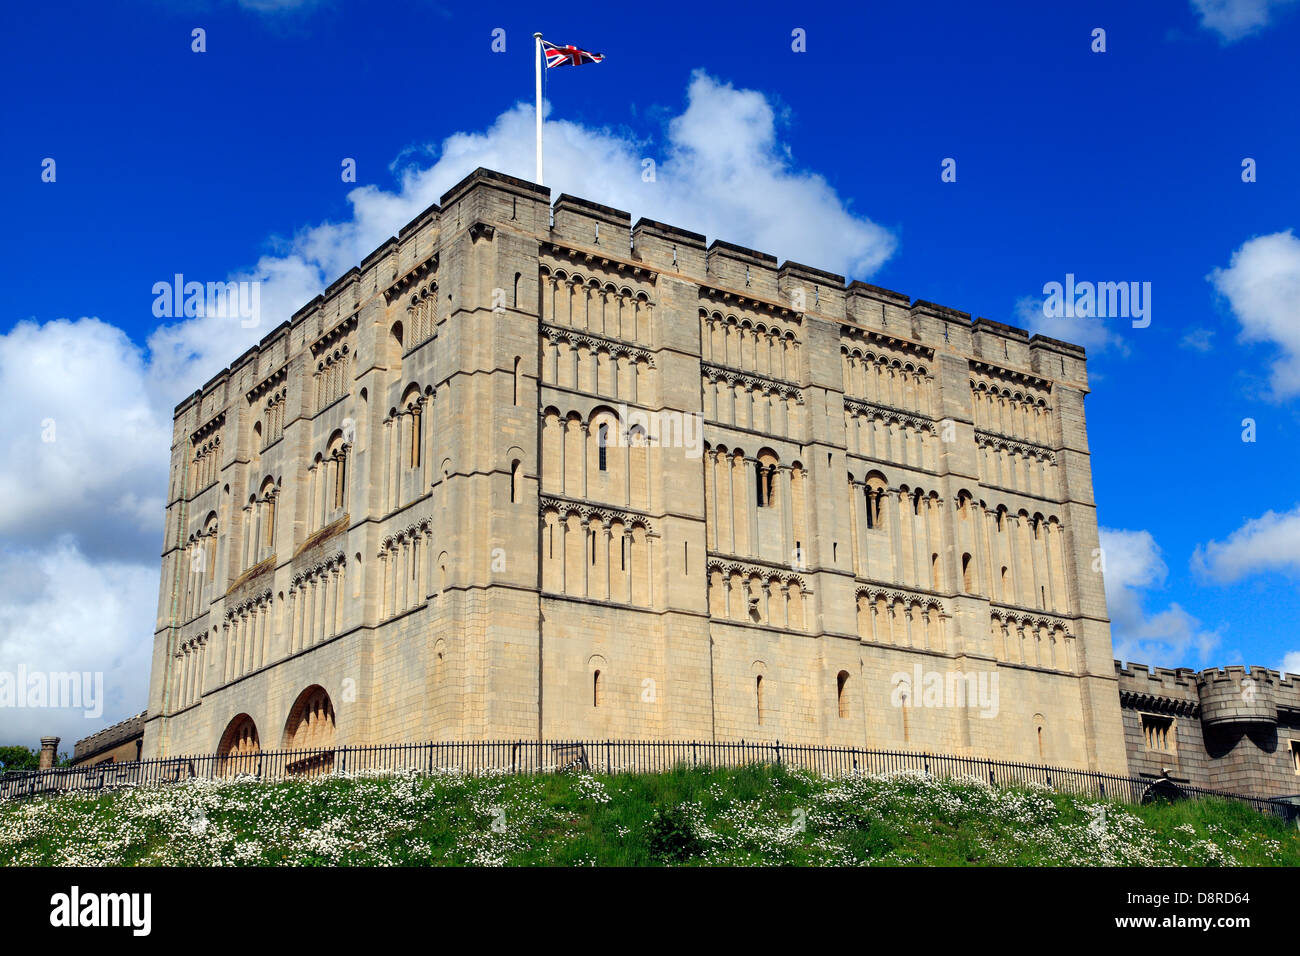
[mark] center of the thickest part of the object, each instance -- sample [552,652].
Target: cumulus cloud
[1270,542]
[1092,332]
[721,170]
[82,522]
[1170,637]
[63,612]
[1233,20]
[84,450]
[1290,663]
[1262,286]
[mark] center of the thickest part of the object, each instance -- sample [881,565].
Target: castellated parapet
[1229,728]
[535,470]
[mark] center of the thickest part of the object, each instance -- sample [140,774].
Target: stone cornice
[1011,375]
[208,428]
[268,383]
[1155,703]
[589,258]
[413,276]
[923,352]
[333,335]
[746,300]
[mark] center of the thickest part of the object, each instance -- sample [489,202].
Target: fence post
[991,773]
[778,753]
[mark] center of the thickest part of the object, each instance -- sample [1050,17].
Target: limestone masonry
[534,471]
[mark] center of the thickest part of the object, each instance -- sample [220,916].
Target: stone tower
[530,470]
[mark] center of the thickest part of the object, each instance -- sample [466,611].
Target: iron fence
[601,756]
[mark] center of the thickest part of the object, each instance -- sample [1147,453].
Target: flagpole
[537,38]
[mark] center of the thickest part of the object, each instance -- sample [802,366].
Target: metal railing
[600,756]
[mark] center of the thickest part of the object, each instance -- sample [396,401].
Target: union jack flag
[561,55]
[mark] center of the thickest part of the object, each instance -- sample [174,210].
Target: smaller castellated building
[1222,729]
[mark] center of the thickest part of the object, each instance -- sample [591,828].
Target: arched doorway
[239,750]
[309,733]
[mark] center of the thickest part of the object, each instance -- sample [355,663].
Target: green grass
[749,816]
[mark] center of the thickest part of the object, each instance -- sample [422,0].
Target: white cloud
[1198,340]
[61,612]
[1091,332]
[82,522]
[1236,19]
[1290,663]
[722,171]
[1170,637]
[84,450]
[1262,286]
[1270,542]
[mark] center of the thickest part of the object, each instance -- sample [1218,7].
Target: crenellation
[669,249]
[1230,728]
[746,271]
[590,224]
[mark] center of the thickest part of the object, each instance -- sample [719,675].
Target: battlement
[487,199]
[109,737]
[1233,695]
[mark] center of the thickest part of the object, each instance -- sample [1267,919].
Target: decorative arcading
[419,528]
[335,334]
[895,595]
[412,277]
[1030,449]
[747,570]
[753,381]
[268,383]
[606,514]
[1022,619]
[335,560]
[890,414]
[208,428]
[249,604]
[594,342]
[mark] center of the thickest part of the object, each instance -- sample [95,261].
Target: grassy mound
[750,816]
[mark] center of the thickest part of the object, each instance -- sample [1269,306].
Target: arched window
[841,694]
[967,583]
[602,441]
[268,514]
[516,482]
[758,696]
[765,478]
[875,492]
[595,689]
[336,460]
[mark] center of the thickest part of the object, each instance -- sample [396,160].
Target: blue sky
[1123,165]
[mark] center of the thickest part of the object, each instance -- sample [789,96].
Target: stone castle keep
[532,471]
